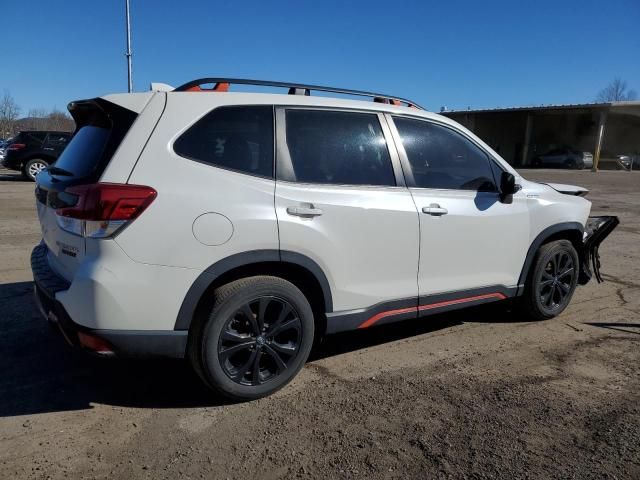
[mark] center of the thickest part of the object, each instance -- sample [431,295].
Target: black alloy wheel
[260,340]
[556,281]
[256,338]
[551,281]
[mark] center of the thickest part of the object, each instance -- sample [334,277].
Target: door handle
[304,211]
[435,210]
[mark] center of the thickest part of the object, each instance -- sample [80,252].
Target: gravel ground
[473,394]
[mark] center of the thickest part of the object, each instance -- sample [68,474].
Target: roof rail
[221,84]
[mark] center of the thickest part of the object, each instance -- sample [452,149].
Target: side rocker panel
[411,308]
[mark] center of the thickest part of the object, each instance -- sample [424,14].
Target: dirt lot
[475,394]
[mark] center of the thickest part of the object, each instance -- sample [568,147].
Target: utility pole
[128,53]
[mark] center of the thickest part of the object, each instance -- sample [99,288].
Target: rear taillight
[16,146]
[95,343]
[102,209]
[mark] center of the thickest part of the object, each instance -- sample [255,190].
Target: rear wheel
[551,282]
[33,167]
[256,339]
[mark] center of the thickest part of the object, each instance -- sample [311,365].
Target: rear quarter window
[234,138]
[57,139]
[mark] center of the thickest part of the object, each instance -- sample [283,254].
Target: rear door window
[234,138]
[339,148]
[35,137]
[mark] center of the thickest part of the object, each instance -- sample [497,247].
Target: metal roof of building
[560,106]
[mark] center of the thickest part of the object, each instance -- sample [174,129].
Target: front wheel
[33,167]
[256,339]
[551,282]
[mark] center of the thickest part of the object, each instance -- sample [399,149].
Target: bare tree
[59,121]
[41,119]
[616,91]
[9,112]
[35,120]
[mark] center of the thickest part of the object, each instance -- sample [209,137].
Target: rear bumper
[10,163]
[127,343]
[597,229]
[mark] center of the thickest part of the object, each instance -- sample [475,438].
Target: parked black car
[33,151]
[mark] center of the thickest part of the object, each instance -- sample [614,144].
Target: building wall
[576,128]
[621,135]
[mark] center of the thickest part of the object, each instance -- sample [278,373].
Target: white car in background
[235,228]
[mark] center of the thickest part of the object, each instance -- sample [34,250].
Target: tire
[281,352]
[33,167]
[551,283]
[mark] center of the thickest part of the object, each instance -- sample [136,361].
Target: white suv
[234,228]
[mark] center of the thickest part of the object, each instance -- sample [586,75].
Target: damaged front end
[597,229]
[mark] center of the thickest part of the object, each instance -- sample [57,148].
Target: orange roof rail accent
[218,87]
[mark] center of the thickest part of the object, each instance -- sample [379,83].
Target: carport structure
[521,133]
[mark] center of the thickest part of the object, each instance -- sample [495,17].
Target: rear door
[341,201]
[470,239]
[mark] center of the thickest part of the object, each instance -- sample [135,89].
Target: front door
[472,244]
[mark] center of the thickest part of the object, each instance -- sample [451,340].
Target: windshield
[84,152]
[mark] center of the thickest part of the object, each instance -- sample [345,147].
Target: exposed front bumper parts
[597,229]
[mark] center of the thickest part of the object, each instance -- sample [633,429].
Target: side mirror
[507,184]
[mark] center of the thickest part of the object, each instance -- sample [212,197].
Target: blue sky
[455,53]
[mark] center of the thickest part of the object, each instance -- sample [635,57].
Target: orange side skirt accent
[430,306]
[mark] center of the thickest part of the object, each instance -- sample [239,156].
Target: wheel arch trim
[537,243]
[244,259]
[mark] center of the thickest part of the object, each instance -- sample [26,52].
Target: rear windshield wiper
[59,171]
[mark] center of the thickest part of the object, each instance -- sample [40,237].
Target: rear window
[83,154]
[101,127]
[30,138]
